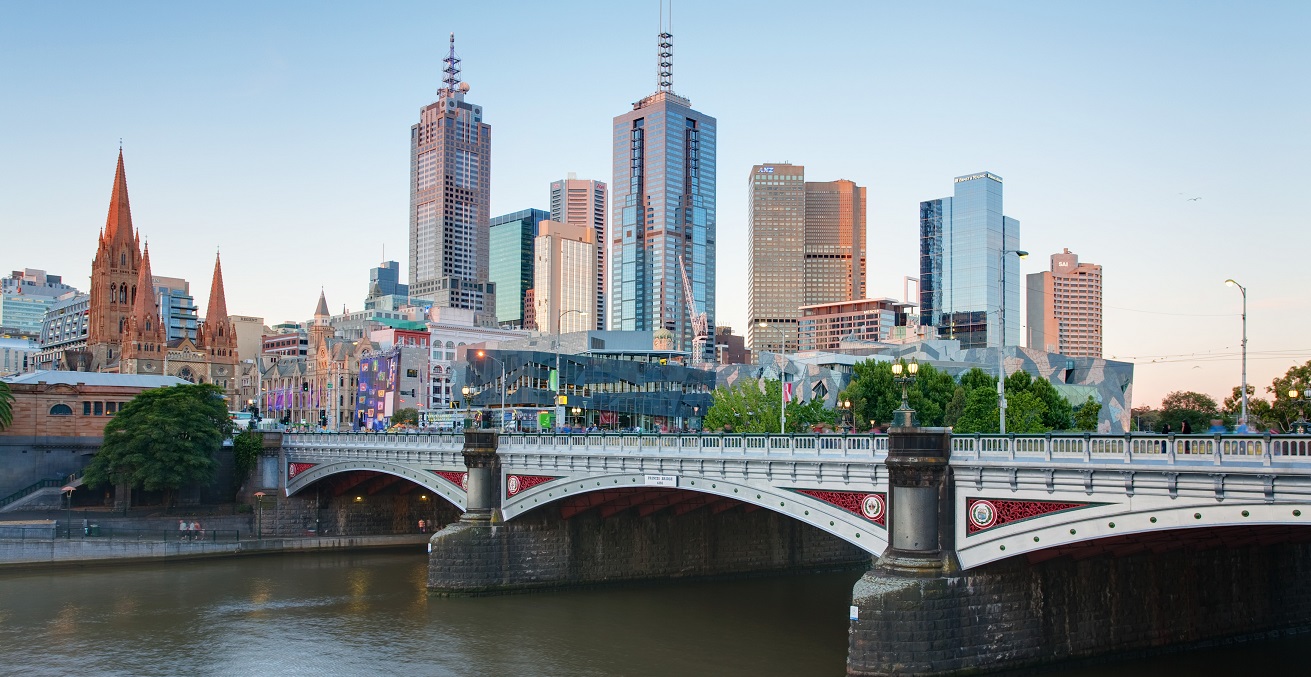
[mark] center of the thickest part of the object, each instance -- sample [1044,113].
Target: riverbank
[29,553]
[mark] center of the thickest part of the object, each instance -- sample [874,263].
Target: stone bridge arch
[857,517]
[440,485]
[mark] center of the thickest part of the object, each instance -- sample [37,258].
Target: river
[370,614]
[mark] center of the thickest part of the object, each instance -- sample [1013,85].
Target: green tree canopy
[1185,405]
[246,448]
[1087,415]
[1283,409]
[875,395]
[6,406]
[1259,411]
[744,408]
[406,416]
[163,439]
[980,414]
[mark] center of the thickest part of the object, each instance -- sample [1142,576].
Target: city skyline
[1105,129]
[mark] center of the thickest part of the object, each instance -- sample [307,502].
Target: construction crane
[700,332]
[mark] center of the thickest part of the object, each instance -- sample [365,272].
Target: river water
[370,614]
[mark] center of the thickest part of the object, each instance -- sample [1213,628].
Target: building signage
[766,170]
[661,480]
[984,175]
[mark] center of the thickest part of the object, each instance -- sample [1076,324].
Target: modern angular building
[583,202]
[564,273]
[385,289]
[450,195]
[825,326]
[1065,307]
[511,262]
[807,244]
[662,212]
[962,242]
[177,307]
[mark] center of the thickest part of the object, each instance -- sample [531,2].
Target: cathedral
[125,334]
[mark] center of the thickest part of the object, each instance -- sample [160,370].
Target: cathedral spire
[218,302]
[322,310]
[120,212]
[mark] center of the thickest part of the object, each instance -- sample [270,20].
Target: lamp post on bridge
[68,490]
[1242,421]
[844,408]
[559,376]
[1001,342]
[904,416]
[1300,398]
[501,414]
[467,390]
[259,517]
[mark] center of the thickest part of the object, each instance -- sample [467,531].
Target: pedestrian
[423,527]
[1186,429]
[196,531]
[182,530]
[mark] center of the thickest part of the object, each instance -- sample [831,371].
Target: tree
[6,406]
[1284,411]
[744,408]
[1258,409]
[1185,405]
[162,440]
[1146,419]
[802,417]
[875,395]
[246,448]
[407,416]
[980,414]
[1057,414]
[1087,415]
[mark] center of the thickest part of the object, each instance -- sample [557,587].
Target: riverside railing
[62,531]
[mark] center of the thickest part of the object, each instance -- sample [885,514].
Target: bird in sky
[1194,199]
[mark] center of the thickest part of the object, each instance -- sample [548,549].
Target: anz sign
[766,170]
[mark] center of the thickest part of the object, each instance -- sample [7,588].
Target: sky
[278,134]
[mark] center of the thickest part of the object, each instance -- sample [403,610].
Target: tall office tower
[807,248]
[962,242]
[450,194]
[385,289]
[24,298]
[511,263]
[582,202]
[1065,307]
[564,267]
[177,307]
[663,212]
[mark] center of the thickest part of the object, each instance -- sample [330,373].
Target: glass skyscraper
[962,240]
[582,202]
[510,262]
[662,211]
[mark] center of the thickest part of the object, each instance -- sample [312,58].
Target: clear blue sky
[280,133]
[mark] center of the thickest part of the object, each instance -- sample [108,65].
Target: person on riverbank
[183,529]
[423,527]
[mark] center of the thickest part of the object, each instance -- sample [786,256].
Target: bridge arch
[851,526]
[433,483]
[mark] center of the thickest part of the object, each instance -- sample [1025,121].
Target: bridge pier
[484,466]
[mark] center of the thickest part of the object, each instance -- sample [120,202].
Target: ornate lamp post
[68,494]
[559,376]
[1231,283]
[577,412]
[1300,399]
[904,416]
[1001,343]
[501,414]
[259,516]
[844,407]
[468,392]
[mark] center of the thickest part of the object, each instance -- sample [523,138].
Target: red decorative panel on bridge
[294,469]
[873,507]
[459,479]
[517,483]
[982,514]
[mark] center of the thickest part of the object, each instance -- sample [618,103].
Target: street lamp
[68,490]
[577,412]
[259,518]
[1231,283]
[904,417]
[1001,343]
[1300,399]
[501,414]
[468,391]
[782,364]
[845,407]
[559,376]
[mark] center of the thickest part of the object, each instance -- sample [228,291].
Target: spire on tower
[322,309]
[665,64]
[452,69]
[120,212]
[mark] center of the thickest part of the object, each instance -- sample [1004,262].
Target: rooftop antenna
[664,73]
[452,69]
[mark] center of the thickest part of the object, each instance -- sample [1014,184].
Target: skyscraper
[564,266]
[450,194]
[511,262]
[582,202]
[962,241]
[1065,307]
[663,213]
[807,244]
[385,289]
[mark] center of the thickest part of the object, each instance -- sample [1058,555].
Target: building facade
[511,262]
[807,244]
[1065,307]
[663,213]
[730,348]
[177,307]
[825,326]
[64,334]
[24,298]
[963,240]
[450,198]
[564,274]
[386,292]
[582,202]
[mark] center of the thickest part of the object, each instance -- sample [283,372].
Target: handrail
[29,490]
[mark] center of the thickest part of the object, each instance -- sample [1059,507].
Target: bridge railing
[699,444]
[1148,447]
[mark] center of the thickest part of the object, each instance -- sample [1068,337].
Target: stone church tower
[114,279]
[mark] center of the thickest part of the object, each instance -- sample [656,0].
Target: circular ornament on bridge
[983,514]
[872,506]
[464,481]
[513,485]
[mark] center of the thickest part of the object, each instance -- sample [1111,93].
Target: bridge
[1042,496]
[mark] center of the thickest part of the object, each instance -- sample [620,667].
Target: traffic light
[304,386]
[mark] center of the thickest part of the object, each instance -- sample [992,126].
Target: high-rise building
[450,197]
[24,298]
[582,202]
[510,262]
[564,268]
[386,292]
[177,307]
[825,326]
[1065,307]
[662,214]
[807,248]
[962,242]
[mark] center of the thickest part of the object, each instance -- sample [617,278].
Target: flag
[787,392]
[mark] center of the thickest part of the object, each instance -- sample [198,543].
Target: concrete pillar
[484,492]
[920,527]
